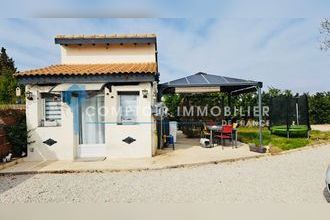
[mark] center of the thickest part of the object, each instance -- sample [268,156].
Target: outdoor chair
[226,133]
[210,123]
[205,133]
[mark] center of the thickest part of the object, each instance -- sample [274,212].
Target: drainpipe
[161,129]
[156,59]
[160,120]
[260,114]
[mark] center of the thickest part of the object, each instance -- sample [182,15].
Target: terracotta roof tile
[91,69]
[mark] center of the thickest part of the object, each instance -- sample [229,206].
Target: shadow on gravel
[326,194]
[8,182]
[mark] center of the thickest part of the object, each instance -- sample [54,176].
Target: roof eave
[105,40]
[107,78]
[82,74]
[213,85]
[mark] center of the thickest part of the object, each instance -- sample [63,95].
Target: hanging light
[29,95]
[145,93]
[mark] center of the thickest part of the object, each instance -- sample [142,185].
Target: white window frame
[44,122]
[128,93]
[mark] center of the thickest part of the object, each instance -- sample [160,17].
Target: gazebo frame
[203,83]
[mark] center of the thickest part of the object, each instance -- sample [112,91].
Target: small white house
[97,102]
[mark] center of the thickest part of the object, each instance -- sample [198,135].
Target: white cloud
[280,52]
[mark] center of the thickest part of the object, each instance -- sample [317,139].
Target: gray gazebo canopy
[203,82]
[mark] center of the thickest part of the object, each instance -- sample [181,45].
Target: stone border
[11,163]
[187,165]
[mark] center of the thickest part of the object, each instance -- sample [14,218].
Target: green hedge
[16,131]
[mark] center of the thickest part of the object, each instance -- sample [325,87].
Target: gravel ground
[293,178]
[324,127]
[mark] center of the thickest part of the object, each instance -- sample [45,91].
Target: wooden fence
[5,146]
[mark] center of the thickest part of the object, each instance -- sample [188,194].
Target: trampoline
[289,116]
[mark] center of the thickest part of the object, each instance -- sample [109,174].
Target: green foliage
[5,61]
[273,92]
[8,82]
[319,104]
[172,102]
[245,101]
[319,108]
[320,136]
[288,93]
[17,134]
[251,135]
[220,99]
[8,86]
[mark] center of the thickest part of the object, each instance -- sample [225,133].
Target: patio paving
[187,153]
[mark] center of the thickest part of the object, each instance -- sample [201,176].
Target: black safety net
[289,115]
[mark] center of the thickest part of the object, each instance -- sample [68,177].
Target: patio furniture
[204,142]
[205,133]
[213,128]
[207,83]
[226,133]
[210,123]
[170,140]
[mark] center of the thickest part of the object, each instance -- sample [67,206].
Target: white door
[91,125]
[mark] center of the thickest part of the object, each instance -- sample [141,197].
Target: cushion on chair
[223,136]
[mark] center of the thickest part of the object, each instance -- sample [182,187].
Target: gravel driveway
[293,178]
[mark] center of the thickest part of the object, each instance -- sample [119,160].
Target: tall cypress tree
[8,82]
[6,62]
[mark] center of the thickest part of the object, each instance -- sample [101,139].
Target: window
[128,107]
[51,110]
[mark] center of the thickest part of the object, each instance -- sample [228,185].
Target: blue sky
[170,8]
[242,41]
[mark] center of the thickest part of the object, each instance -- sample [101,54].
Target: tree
[319,107]
[8,86]
[288,92]
[273,92]
[8,82]
[172,102]
[325,34]
[6,62]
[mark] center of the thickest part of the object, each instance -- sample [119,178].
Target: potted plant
[253,147]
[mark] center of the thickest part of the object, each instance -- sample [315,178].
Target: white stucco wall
[67,141]
[142,131]
[64,135]
[89,54]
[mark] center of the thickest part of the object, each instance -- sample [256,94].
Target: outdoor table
[213,128]
[218,128]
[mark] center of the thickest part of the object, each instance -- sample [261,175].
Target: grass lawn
[278,143]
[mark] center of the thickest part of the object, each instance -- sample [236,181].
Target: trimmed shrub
[14,123]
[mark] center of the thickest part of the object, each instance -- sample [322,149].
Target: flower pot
[254,148]
[261,150]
